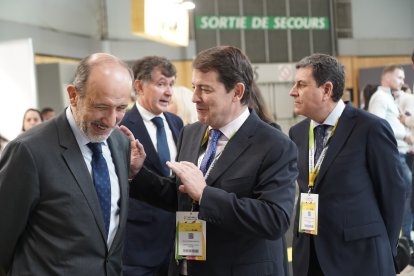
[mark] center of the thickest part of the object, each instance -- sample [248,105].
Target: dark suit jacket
[361,198]
[51,223]
[150,231]
[248,201]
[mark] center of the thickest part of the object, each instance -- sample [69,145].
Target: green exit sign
[262,23]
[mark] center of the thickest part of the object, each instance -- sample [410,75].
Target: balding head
[89,63]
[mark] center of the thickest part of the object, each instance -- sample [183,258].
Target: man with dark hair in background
[47,113]
[150,231]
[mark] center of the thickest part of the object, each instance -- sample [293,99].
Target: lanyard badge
[309,202]
[308,215]
[190,241]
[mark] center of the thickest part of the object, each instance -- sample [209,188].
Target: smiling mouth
[100,126]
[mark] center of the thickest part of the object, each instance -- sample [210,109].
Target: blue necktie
[211,150]
[162,145]
[102,182]
[319,132]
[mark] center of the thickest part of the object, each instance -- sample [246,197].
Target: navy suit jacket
[150,231]
[52,222]
[248,201]
[361,197]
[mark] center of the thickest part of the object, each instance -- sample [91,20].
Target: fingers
[189,165]
[175,167]
[140,147]
[181,188]
[127,132]
[180,166]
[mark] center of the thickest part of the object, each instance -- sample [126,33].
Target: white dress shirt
[228,131]
[382,104]
[332,118]
[87,156]
[152,129]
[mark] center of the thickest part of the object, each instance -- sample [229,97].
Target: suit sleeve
[19,191]
[386,173]
[156,190]
[267,213]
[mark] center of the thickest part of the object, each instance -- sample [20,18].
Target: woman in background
[182,104]
[257,103]
[32,117]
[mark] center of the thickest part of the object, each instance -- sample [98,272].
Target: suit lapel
[191,151]
[175,131]
[234,148]
[73,157]
[141,133]
[344,128]
[121,167]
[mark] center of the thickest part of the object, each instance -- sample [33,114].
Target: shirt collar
[147,115]
[385,89]
[79,136]
[334,115]
[231,128]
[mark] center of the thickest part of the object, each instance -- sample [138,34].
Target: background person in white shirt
[383,105]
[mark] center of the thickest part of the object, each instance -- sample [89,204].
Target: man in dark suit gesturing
[64,184]
[244,190]
[150,231]
[350,209]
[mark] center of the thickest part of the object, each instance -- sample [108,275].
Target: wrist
[201,195]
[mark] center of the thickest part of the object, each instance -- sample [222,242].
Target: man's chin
[98,137]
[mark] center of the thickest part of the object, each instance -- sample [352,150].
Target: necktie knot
[158,122]
[96,148]
[215,135]
[320,131]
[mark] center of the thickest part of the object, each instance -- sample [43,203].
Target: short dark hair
[405,88]
[231,65]
[143,68]
[367,93]
[326,68]
[87,64]
[46,110]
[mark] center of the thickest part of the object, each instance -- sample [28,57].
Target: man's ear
[238,91]
[327,90]
[73,95]
[138,87]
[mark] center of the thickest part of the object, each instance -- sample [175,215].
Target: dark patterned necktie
[102,182]
[211,150]
[162,145]
[319,132]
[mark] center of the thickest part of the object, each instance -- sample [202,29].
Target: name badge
[308,215]
[190,241]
